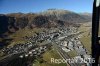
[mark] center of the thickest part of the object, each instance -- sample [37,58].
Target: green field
[86,38]
[47,58]
[72,53]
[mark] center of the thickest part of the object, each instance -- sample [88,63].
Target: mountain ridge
[49,18]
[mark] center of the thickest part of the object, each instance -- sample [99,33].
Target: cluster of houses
[32,42]
[18,48]
[32,48]
[42,36]
[48,35]
[26,50]
[75,44]
[35,52]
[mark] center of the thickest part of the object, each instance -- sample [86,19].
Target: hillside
[50,18]
[67,16]
[35,38]
[22,23]
[87,16]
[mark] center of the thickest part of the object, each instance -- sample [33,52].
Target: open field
[47,58]
[72,53]
[86,38]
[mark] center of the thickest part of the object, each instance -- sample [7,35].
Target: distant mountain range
[87,16]
[67,16]
[49,18]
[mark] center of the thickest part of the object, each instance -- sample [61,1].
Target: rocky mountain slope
[50,18]
[87,16]
[67,16]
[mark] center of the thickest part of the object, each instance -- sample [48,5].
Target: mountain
[65,15]
[87,16]
[21,23]
[10,23]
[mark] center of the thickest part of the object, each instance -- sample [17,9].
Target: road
[8,58]
[59,50]
[63,54]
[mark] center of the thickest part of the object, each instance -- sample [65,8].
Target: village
[67,39]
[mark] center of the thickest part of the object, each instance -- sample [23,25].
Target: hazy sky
[26,6]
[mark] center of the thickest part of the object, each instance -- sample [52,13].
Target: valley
[33,39]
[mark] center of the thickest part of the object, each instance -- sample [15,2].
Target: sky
[34,6]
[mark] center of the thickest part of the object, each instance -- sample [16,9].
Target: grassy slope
[18,36]
[86,41]
[86,38]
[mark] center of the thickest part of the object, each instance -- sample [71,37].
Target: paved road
[62,53]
